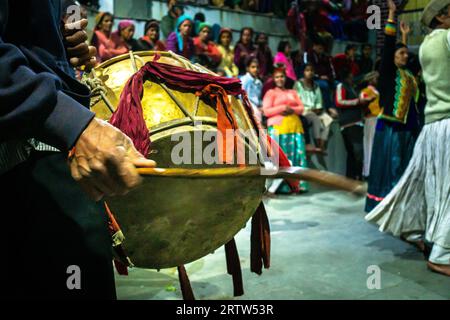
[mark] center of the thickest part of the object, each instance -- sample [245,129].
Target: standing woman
[101,40]
[150,40]
[227,50]
[180,41]
[284,56]
[397,126]
[244,49]
[283,107]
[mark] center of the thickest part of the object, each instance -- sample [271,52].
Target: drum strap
[260,241]
[234,267]
[185,284]
[121,260]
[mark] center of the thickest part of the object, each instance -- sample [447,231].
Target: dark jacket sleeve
[387,65]
[33,104]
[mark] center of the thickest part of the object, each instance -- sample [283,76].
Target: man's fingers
[102,179]
[78,51]
[144,163]
[129,175]
[88,60]
[71,28]
[77,38]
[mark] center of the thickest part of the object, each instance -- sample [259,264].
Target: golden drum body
[169,222]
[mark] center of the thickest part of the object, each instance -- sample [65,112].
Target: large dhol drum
[169,222]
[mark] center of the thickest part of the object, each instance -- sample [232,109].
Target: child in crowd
[253,86]
[311,96]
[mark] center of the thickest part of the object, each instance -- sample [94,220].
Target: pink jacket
[280,57]
[276,100]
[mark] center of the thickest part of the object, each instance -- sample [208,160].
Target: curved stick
[295,173]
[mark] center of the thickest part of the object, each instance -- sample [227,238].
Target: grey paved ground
[321,249]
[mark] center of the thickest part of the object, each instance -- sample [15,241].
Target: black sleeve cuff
[66,123]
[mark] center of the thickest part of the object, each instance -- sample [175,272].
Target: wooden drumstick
[294,173]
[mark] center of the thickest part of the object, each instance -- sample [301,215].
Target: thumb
[137,158]
[70,28]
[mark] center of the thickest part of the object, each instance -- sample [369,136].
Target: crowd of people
[322,88]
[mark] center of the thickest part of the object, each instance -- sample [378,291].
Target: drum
[168,222]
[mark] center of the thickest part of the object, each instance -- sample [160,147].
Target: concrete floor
[321,249]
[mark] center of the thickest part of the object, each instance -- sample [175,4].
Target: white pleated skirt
[420,202]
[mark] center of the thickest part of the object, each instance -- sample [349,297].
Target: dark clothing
[347,102]
[265,60]
[241,54]
[353,141]
[322,64]
[37,98]
[51,225]
[393,147]
[397,86]
[365,65]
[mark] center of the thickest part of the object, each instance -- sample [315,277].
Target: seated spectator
[218,3]
[296,24]
[180,41]
[270,83]
[351,108]
[206,50]
[244,49]
[324,73]
[123,37]
[102,38]
[168,22]
[364,60]
[264,56]
[227,51]
[311,96]
[198,19]
[346,61]
[253,86]
[150,40]
[284,56]
[318,23]
[355,17]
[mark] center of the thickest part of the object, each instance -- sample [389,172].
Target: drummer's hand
[104,161]
[78,51]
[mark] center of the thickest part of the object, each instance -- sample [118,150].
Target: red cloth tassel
[260,241]
[234,267]
[226,121]
[121,268]
[185,284]
[129,117]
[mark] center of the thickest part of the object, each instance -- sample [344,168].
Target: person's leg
[439,260]
[326,93]
[316,125]
[353,139]
[56,228]
[350,153]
